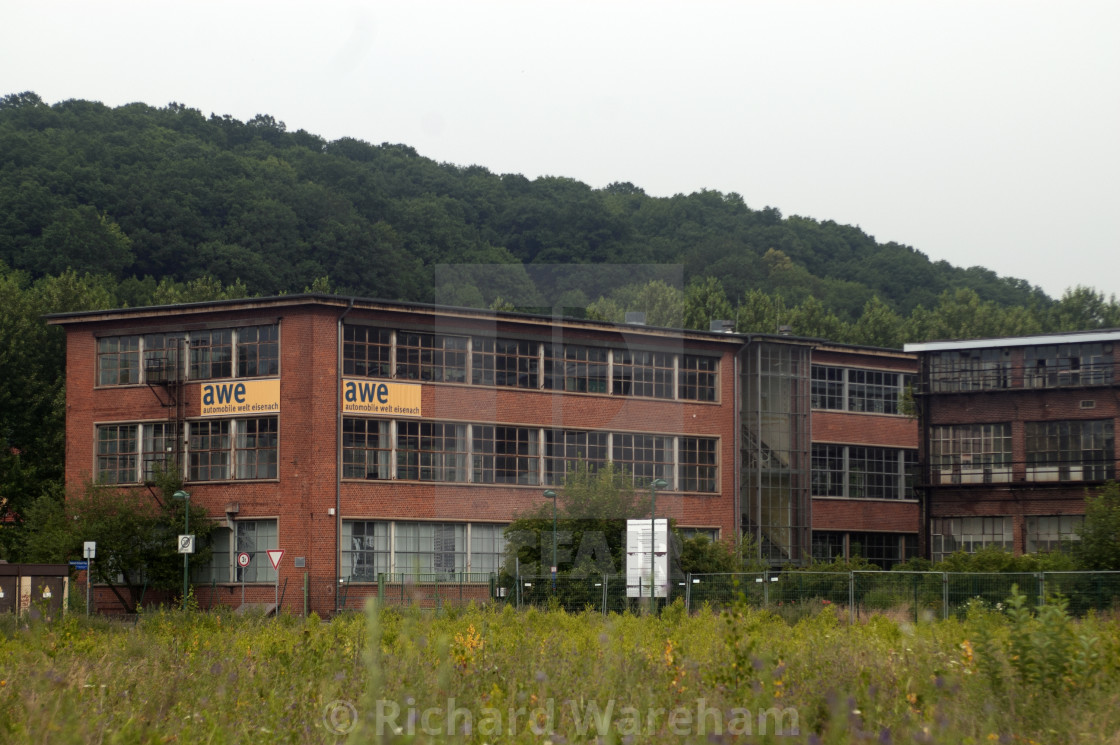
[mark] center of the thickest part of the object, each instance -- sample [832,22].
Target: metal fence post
[688,592]
[1041,589]
[851,597]
[944,595]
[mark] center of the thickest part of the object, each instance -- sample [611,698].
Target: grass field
[475,675]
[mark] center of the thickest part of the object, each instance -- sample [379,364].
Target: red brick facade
[302,497]
[845,427]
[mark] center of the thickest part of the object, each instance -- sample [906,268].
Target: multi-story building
[1013,432]
[364,437]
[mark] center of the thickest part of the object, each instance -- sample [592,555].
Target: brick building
[1013,432]
[365,437]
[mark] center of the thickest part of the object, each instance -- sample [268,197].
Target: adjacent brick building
[1014,432]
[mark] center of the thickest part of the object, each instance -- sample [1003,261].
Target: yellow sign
[379,397]
[240,397]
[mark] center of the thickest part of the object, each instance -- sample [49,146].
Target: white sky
[978,132]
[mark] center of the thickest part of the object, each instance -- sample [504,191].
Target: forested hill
[157,193]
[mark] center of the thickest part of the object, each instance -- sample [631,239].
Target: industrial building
[366,438]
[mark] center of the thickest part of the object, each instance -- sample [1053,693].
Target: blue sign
[80,564]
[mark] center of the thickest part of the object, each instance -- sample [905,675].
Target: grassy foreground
[484,676]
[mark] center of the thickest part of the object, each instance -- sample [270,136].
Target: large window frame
[969,534]
[405,547]
[1070,450]
[255,537]
[863,471]
[208,354]
[858,389]
[1060,365]
[510,454]
[504,362]
[970,453]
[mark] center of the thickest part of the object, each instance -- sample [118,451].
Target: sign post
[89,552]
[274,556]
[243,563]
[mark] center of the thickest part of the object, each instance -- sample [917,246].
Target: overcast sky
[979,132]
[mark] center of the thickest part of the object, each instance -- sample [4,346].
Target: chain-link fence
[917,595]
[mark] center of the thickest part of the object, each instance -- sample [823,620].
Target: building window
[969,370]
[873,391]
[118,360]
[827,546]
[252,537]
[163,356]
[233,448]
[863,472]
[1070,451]
[116,454]
[698,377]
[509,363]
[698,464]
[969,534]
[581,370]
[687,534]
[366,551]
[884,550]
[827,387]
[645,457]
[367,352]
[643,374]
[1047,533]
[211,354]
[853,389]
[431,451]
[209,450]
[1054,365]
[258,351]
[430,548]
[505,455]
[159,449]
[431,357]
[488,548]
[970,453]
[367,448]
[255,448]
[256,538]
[566,449]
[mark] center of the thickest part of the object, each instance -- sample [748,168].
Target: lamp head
[659,483]
[550,494]
[181,495]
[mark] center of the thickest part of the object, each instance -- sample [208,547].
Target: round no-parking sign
[243,560]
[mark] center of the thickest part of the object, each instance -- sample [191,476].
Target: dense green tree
[1099,547]
[591,512]
[135,532]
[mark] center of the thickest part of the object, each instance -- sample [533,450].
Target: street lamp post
[549,493]
[186,531]
[653,487]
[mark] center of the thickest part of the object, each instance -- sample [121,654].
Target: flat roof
[1068,337]
[343,302]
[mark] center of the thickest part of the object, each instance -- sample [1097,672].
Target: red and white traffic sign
[274,555]
[243,560]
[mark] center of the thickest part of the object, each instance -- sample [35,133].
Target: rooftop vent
[785,330]
[721,326]
[636,317]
